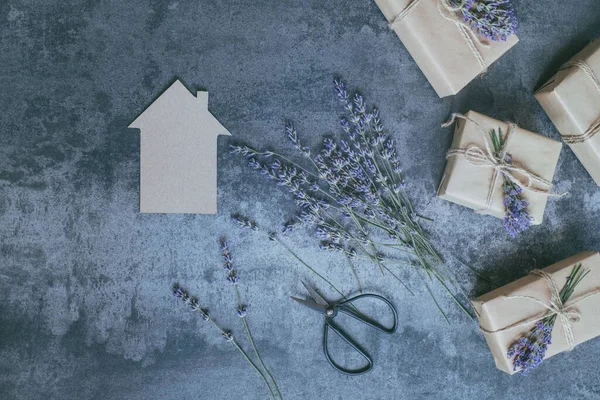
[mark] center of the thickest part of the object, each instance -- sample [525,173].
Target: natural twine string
[595,128]
[487,158]
[450,13]
[567,314]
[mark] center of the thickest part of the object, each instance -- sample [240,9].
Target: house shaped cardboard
[178,160]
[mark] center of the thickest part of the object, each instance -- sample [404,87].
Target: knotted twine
[595,128]
[451,13]
[567,313]
[499,162]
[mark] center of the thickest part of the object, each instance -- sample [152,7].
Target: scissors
[331,310]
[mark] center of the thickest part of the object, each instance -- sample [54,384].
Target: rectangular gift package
[496,312]
[572,101]
[449,54]
[470,185]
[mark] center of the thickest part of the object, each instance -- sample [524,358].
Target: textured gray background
[85,305]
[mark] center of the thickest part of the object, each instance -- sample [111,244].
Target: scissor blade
[316,296]
[311,304]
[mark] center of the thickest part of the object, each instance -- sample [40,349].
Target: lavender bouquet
[352,192]
[493,19]
[242,311]
[516,218]
[528,352]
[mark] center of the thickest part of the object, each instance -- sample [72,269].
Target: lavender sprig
[516,217]
[242,309]
[194,304]
[528,351]
[493,19]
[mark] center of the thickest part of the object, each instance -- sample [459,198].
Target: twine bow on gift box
[595,128]
[567,314]
[450,12]
[500,162]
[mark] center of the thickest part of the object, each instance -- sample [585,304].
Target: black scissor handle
[343,307]
[358,371]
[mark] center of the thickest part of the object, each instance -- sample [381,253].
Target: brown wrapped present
[572,101]
[448,52]
[510,312]
[474,172]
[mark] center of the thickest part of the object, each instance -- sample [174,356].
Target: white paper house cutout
[178,160]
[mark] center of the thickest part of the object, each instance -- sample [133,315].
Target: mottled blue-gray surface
[85,304]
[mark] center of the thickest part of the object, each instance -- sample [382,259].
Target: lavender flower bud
[242,311]
[243,222]
[345,125]
[233,278]
[290,226]
[243,150]
[340,90]
[292,135]
[276,164]
[227,336]
[351,253]
[359,104]
[330,246]
[254,164]
[178,292]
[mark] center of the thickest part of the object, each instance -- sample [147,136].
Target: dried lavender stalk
[242,309]
[194,304]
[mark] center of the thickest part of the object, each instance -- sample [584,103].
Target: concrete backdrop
[85,280]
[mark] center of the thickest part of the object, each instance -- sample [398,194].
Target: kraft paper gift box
[449,53]
[480,186]
[572,101]
[504,318]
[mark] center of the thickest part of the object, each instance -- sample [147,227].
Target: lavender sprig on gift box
[516,217]
[493,19]
[528,351]
[353,192]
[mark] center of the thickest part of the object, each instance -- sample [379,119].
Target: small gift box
[543,314]
[447,49]
[572,101]
[490,160]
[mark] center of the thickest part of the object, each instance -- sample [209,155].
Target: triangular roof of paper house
[176,105]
